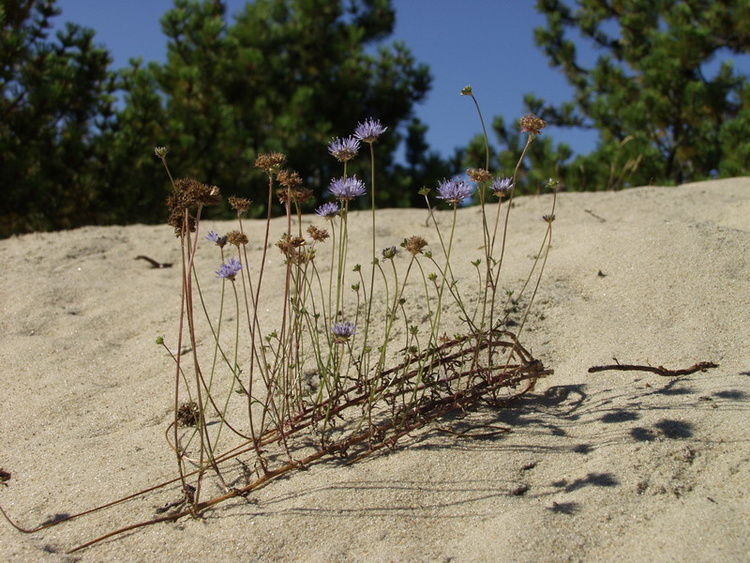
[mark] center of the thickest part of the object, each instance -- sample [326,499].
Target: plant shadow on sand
[582,422]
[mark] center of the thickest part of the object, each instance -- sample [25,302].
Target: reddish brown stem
[700,366]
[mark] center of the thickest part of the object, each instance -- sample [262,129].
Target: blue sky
[486,43]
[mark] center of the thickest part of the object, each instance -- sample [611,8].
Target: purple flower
[344,149]
[217,239]
[328,210]
[230,269]
[369,130]
[453,191]
[347,188]
[342,331]
[502,186]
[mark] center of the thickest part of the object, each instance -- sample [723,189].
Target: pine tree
[287,76]
[55,95]
[661,115]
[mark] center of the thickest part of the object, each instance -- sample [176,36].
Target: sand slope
[625,466]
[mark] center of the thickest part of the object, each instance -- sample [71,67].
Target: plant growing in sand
[359,355]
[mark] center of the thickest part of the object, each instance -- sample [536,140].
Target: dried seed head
[288,243]
[291,247]
[188,414]
[294,195]
[239,204]
[236,238]
[270,161]
[182,222]
[531,123]
[317,234]
[479,174]
[289,179]
[414,244]
[179,213]
[195,193]
[161,152]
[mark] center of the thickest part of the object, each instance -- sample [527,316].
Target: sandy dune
[626,466]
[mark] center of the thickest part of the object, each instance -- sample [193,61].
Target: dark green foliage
[660,115]
[544,159]
[56,96]
[287,75]
[424,168]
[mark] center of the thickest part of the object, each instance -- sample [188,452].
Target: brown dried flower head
[270,161]
[179,214]
[479,174]
[287,243]
[189,194]
[291,247]
[303,256]
[182,222]
[294,195]
[188,414]
[289,179]
[317,234]
[531,123]
[414,244]
[236,238]
[196,194]
[239,204]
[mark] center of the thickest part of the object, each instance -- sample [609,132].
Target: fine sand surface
[609,466]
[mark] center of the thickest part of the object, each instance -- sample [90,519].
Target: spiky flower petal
[328,210]
[369,130]
[454,191]
[229,270]
[342,331]
[347,188]
[344,149]
[502,186]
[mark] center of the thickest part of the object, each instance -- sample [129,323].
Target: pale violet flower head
[342,331]
[344,149]
[369,130]
[347,188]
[230,269]
[219,240]
[454,191]
[502,186]
[328,210]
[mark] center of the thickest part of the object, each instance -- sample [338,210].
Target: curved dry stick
[700,366]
